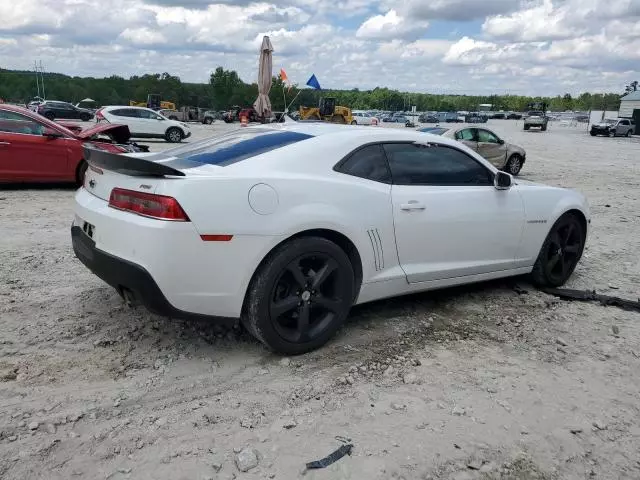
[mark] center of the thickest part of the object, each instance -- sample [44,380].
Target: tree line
[226,89]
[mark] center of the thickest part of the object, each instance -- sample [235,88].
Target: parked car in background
[536,119]
[211,116]
[612,127]
[362,118]
[53,109]
[145,123]
[504,156]
[285,228]
[514,116]
[428,118]
[35,149]
[475,117]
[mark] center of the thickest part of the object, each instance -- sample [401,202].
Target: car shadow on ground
[70,186]
[378,328]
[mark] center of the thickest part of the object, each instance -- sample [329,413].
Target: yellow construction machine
[327,111]
[154,102]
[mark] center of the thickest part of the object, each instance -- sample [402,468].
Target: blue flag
[313,82]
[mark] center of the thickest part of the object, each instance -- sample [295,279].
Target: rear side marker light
[147,205]
[216,238]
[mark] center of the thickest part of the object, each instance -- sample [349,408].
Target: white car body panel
[147,127]
[463,235]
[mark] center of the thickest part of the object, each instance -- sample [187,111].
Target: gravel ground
[493,381]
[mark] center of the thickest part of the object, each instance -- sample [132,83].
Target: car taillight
[147,205]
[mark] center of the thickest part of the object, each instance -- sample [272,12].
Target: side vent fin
[378,250]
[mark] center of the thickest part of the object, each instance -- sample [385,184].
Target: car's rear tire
[593,134]
[208,120]
[85,117]
[353,122]
[300,295]
[628,133]
[543,128]
[526,127]
[560,252]
[514,164]
[81,171]
[174,135]
[50,116]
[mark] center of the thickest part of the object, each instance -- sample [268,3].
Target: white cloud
[390,25]
[525,46]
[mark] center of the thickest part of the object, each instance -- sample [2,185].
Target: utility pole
[35,65]
[44,95]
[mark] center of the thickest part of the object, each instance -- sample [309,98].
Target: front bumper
[130,280]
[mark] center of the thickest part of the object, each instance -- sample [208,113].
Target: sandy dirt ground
[492,381]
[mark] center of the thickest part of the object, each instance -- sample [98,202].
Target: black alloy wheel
[560,252]
[306,297]
[300,296]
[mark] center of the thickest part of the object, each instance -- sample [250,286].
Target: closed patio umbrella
[263,105]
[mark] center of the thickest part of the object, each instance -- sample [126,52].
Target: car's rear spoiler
[133,166]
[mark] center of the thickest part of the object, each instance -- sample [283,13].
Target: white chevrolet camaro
[286,227]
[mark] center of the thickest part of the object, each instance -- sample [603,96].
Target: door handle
[4,144]
[413,205]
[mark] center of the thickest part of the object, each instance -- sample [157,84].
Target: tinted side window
[434,165]
[624,122]
[368,162]
[124,112]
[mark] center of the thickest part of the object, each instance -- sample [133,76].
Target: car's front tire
[353,122]
[50,116]
[514,164]
[593,134]
[526,127]
[208,120]
[174,135]
[560,252]
[300,295]
[85,117]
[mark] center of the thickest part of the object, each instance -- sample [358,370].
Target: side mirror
[502,181]
[51,134]
[501,141]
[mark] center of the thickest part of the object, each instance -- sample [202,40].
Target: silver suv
[537,119]
[612,127]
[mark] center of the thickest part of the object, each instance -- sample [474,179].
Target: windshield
[610,121]
[233,147]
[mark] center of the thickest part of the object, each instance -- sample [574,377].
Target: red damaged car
[35,149]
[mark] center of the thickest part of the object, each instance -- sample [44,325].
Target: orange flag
[283,76]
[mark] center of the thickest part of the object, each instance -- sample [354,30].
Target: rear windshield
[434,130]
[232,148]
[535,113]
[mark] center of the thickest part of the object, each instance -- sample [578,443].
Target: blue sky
[456,46]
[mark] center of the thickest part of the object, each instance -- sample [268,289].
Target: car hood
[602,125]
[119,133]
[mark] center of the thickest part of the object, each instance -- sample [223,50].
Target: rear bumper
[130,279]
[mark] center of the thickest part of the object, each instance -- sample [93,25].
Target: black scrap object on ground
[331,458]
[592,296]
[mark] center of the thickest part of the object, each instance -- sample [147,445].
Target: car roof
[128,106]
